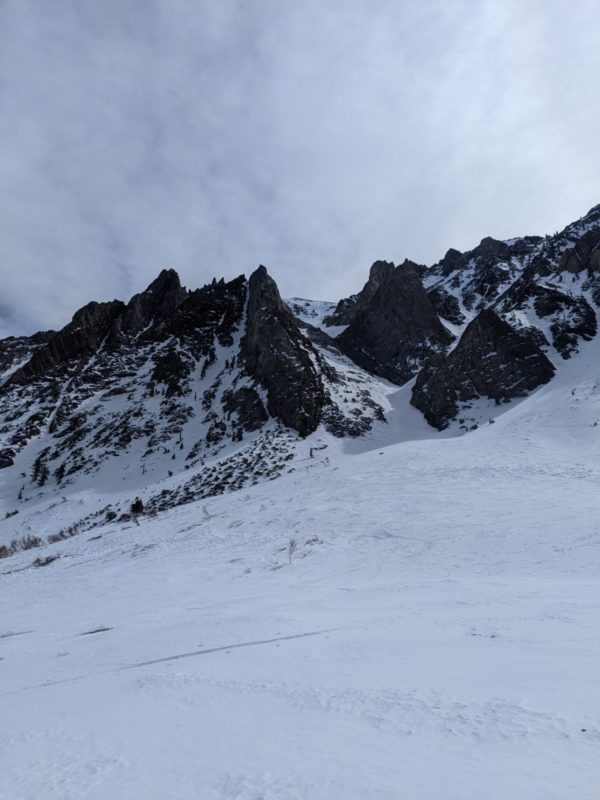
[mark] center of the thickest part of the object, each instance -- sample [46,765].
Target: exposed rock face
[280,358]
[348,308]
[6,458]
[214,311]
[397,330]
[571,318]
[453,260]
[80,339]
[491,360]
[247,405]
[480,275]
[18,349]
[107,325]
[446,305]
[157,302]
[172,369]
[584,255]
[165,381]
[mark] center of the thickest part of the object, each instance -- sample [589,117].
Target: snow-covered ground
[315,312]
[434,635]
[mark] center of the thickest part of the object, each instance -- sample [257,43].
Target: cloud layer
[312,137]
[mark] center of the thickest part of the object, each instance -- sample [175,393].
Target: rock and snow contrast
[255,548]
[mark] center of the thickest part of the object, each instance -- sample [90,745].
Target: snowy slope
[434,635]
[404,614]
[315,313]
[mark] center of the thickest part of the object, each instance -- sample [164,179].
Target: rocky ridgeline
[171,382]
[348,308]
[206,391]
[539,292]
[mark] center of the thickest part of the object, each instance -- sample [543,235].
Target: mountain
[180,395]
[396,328]
[541,294]
[212,386]
[491,360]
[421,577]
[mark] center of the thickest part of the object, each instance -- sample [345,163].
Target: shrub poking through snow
[137,507]
[291,548]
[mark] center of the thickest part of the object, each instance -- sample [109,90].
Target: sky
[312,137]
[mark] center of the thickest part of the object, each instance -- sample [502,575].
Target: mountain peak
[167,280]
[396,328]
[381,270]
[280,357]
[155,303]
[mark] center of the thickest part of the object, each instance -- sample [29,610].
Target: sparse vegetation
[29,542]
[137,507]
[43,562]
[291,548]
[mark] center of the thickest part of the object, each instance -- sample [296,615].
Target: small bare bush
[29,542]
[43,562]
[291,548]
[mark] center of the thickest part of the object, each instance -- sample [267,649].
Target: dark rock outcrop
[14,350]
[571,318]
[280,358]
[214,311]
[157,302]
[453,260]
[7,458]
[349,307]
[78,340]
[446,305]
[172,369]
[480,275]
[584,255]
[397,330]
[107,324]
[491,360]
[247,405]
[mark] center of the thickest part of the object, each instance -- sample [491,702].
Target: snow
[435,635]
[314,312]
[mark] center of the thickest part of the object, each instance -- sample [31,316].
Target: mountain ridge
[183,394]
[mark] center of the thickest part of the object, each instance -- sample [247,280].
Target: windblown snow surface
[434,636]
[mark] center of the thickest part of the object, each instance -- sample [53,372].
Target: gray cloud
[313,137]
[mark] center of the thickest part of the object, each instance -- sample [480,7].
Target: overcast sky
[313,137]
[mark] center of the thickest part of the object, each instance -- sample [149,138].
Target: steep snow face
[316,313]
[415,621]
[311,311]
